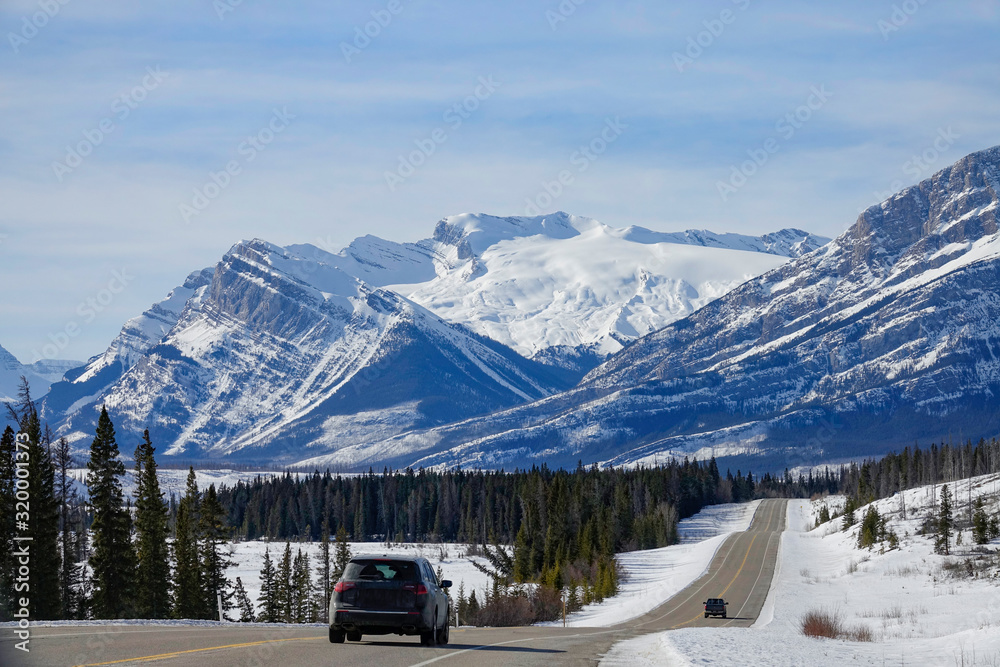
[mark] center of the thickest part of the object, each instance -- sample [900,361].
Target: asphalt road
[740,572]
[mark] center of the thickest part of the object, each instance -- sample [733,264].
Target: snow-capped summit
[560,286]
[888,335]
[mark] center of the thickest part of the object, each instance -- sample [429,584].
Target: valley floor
[921,608]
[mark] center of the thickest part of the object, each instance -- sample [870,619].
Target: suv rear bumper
[398,622]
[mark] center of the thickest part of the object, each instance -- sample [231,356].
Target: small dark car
[381,595]
[715,607]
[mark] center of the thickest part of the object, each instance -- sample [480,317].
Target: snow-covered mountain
[87,382]
[564,289]
[278,355]
[887,335]
[40,375]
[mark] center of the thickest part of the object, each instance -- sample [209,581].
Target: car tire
[706,614]
[354,636]
[724,616]
[337,636]
[427,638]
[443,633]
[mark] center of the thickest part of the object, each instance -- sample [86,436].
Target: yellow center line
[735,577]
[163,656]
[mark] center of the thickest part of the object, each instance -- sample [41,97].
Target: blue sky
[161,96]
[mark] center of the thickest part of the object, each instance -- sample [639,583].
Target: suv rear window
[380,569]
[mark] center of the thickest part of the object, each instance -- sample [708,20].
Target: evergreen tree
[302,589]
[214,563]
[283,585]
[270,611]
[342,554]
[7,511]
[243,603]
[113,558]
[189,599]
[152,548]
[71,528]
[849,507]
[871,526]
[324,571]
[40,525]
[980,523]
[945,523]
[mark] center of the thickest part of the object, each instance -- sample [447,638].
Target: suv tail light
[418,589]
[342,586]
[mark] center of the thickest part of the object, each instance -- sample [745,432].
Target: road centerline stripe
[164,656]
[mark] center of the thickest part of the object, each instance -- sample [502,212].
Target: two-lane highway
[741,572]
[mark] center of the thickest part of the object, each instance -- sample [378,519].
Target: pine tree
[188,597]
[152,548]
[945,523]
[7,512]
[849,507]
[302,589]
[72,530]
[214,563]
[243,603]
[871,526]
[342,554]
[268,602]
[113,557]
[323,570]
[40,525]
[980,523]
[283,585]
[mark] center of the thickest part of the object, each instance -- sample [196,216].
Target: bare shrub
[822,624]
[504,611]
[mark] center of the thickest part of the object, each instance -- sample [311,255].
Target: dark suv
[381,595]
[715,607]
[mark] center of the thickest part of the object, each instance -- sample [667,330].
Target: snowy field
[656,575]
[918,612]
[452,558]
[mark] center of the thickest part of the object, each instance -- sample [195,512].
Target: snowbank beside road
[654,576]
[918,612]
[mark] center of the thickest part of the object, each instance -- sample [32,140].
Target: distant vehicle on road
[715,607]
[379,595]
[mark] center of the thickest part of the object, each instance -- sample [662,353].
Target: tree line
[107,556]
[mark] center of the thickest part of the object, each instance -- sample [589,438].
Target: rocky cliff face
[281,354]
[889,334]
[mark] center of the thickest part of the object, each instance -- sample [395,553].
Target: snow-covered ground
[918,613]
[452,558]
[655,575]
